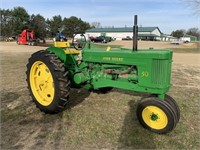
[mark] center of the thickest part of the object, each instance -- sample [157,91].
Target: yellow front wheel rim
[42,84]
[155,117]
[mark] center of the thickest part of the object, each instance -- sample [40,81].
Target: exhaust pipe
[135,34]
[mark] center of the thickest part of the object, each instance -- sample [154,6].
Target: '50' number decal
[145,73]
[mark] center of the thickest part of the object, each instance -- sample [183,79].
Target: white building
[144,33]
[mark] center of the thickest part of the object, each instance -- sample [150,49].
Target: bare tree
[95,24]
[194,32]
[194,5]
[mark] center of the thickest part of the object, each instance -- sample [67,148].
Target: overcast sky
[168,15]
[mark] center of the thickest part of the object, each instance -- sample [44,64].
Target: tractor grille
[161,72]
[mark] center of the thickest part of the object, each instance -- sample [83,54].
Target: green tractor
[52,72]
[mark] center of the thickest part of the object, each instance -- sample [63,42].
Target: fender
[67,56]
[58,52]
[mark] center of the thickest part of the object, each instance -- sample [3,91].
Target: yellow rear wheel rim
[155,117]
[42,84]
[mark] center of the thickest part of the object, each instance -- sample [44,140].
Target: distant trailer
[176,42]
[185,39]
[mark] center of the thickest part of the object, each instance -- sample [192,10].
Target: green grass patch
[95,121]
[15,114]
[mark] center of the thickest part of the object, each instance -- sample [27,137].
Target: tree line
[13,21]
[17,19]
[181,33]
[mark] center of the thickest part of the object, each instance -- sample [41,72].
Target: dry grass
[94,121]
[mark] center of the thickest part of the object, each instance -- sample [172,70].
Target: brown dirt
[153,44]
[180,58]
[94,121]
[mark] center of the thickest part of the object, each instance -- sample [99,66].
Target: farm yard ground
[95,121]
[153,44]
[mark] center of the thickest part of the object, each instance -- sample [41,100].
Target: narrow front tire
[156,115]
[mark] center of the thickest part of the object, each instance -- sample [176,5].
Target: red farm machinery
[27,37]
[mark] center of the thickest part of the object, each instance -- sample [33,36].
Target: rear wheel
[48,82]
[156,115]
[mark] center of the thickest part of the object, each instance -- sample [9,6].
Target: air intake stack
[135,34]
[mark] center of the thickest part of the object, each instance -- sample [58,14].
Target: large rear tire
[48,82]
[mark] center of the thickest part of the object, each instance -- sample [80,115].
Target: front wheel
[156,115]
[172,104]
[47,82]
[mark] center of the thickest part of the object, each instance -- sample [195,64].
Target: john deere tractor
[51,73]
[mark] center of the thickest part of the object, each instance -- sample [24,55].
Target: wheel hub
[42,84]
[155,117]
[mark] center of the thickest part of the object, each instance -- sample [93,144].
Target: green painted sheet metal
[124,56]
[67,59]
[58,52]
[123,84]
[153,68]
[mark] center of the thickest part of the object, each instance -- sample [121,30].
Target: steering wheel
[79,41]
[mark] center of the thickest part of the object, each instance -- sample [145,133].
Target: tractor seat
[62,44]
[71,51]
[66,46]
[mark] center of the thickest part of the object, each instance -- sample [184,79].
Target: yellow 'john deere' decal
[113,58]
[106,58]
